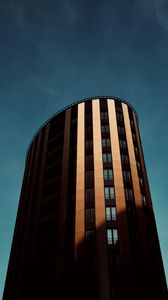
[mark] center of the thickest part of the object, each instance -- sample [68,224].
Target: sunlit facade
[85,227]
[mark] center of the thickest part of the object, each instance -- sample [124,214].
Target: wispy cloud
[161,9]
[154,11]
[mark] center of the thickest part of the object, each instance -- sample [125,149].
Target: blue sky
[55,52]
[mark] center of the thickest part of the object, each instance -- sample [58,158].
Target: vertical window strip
[109,193]
[90,215]
[108,214]
[115,236]
[89,194]
[119,116]
[105,143]
[128,194]
[80,179]
[112,236]
[104,115]
[126,176]
[109,237]
[107,158]
[111,213]
[108,174]
[105,129]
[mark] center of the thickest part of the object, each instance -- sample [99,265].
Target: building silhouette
[85,227]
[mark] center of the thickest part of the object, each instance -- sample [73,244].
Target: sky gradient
[55,52]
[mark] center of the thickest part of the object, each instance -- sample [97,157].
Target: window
[90,215]
[108,174]
[90,235]
[115,236]
[121,130]
[89,194]
[112,236]
[136,151]
[123,144]
[105,129]
[89,144]
[144,200]
[132,123]
[88,131]
[124,158]
[89,160]
[131,214]
[109,237]
[141,181]
[107,158]
[110,213]
[134,137]
[90,238]
[109,193]
[88,118]
[138,165]
[119,116]
[89,176]
[119,109]
[104,115]
[105,143]
[127,176]
[128,194]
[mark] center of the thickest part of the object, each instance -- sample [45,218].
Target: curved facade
[85,227]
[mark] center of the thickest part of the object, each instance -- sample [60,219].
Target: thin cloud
[161,7]
[154,11]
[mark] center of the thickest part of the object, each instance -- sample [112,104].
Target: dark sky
[55,52]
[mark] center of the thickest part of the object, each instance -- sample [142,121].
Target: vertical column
[101,240]
[159,275]
[37,204]
[125,251]
[138,199]
[134,173]
[10,290]
[142,162]
[30,285]
[80,183]
[63,195]
[25,261]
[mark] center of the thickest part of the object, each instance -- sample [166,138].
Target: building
[85,226]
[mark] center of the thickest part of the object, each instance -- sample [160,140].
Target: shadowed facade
[85,226]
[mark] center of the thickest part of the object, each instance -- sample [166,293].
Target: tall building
[85,227]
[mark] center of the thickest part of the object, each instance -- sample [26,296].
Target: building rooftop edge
[75,103]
